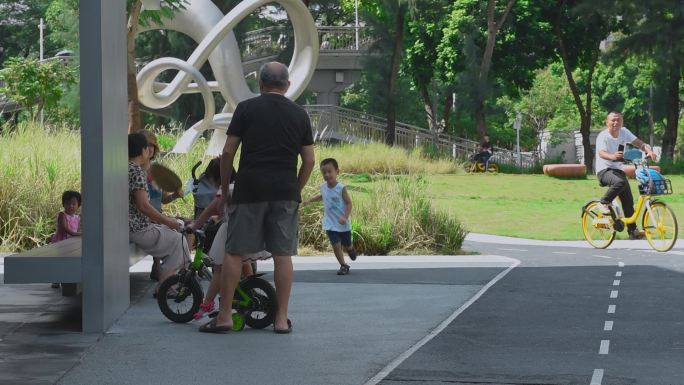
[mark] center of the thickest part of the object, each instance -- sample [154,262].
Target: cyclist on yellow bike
[609,167]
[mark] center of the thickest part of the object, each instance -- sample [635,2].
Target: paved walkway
[346,328]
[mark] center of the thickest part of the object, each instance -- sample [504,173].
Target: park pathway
[566,315]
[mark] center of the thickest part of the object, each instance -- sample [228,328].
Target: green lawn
[529,206]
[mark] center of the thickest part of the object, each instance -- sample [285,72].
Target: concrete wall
[334,73]
[566,148]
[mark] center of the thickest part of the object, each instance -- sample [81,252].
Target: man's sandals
[212,327]
[284,331]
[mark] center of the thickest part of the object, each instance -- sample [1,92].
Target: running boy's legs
[339,254]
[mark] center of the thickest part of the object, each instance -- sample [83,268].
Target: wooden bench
[56,262]
[565,170]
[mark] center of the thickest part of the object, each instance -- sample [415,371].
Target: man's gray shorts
[270,226]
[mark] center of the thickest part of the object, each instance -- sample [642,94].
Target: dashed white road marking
[597,377]
[605,347]
[563,252]
[602,256]
[616,282]
[618,274]
[613,294]
[611,309]
[384,372]
[621,264]
[499,248]
[608,326]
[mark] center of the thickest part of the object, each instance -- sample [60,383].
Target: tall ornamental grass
[377,158]
[36,166]
[392,214]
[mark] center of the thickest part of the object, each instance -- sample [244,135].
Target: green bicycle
[179,296]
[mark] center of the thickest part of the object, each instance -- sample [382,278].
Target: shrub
[394,216]
[671,167]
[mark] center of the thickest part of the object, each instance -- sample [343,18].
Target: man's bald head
[274,77]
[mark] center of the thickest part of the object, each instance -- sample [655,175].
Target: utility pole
[41,27]
[356,24]
[516,125]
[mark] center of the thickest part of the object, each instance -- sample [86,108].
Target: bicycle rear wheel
[597,228]
[261,312]
[661,227]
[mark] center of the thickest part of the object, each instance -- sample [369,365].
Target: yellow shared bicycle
[477,165]
[658,219]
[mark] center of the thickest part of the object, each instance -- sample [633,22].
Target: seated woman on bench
[150,230]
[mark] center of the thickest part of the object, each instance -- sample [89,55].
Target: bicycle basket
[656,187]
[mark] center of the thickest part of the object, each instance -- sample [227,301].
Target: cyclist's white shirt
[606,142]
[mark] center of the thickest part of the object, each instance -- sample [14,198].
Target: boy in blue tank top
[337,206]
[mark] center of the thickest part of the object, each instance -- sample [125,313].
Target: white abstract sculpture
[204,23]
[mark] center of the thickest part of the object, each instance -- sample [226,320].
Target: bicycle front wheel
[261,312]
[179,297]
[597,228]
[660,226]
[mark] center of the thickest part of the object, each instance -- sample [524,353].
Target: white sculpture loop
[204,23]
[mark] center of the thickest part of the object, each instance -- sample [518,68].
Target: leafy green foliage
[62,19]
[19,33]
[36,85]
[654,31]
[167,10]
[544,106]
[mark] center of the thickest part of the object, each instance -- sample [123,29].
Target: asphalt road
[565,315]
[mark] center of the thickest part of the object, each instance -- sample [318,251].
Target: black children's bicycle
[179,296]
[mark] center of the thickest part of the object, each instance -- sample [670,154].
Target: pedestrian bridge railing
[342,124]
[271,41]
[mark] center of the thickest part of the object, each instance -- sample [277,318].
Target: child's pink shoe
[204,308]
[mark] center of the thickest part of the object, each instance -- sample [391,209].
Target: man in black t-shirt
[274,133]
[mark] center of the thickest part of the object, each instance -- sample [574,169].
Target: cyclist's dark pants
[618,185]
[484,158]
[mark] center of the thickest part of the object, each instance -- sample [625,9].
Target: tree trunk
[427,105]
[134,122]
[447,109]
[480,120]
[493,28]
[585,130]
[390,134]
[670,134]
[585,113]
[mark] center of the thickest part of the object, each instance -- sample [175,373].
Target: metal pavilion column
[104,154]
